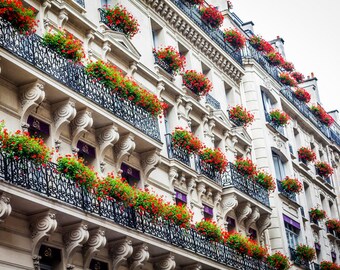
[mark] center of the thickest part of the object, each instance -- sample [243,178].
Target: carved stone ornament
[5,206]
[165,262]
[195,266]
[96,242]
[106,137]
[150,161]
[62,18]
[255,215]
[120,251]
[64,113]
[80,125]
[124,148]
[173,176]
[191,185]
[243,211]
[229,202]
[263,223]
[139,257]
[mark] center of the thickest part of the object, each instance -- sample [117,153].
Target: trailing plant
[185,140]
[21,145]
[197,82]
[149,203]
[215,158]
[65,44]
[238,242]
[291,184]
[212,16]
[274,58]
[306,154]
[234,38]
[326,265]
[21,18]
[299,77]
[178,214]
[170,56]
[265,179]
[209,229]
[245,166]
[278,261]
[302,95]
[305,252]
[286,79]
[317,214]
[240,115]
[323,169]
[279,118]
[119,18]
[333,224]
[256,251]
[260,44]
[288,66]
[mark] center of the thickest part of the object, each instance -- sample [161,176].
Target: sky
[311,32]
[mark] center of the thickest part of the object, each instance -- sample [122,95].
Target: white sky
[311,31]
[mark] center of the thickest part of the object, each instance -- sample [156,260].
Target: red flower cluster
[326,265]
[333,224]
[278,261]
[211,16]
[240,115]
[291,184]
[178,214]
[265,179]
[323,169]
[234,38]
[302,95]
[287,79]
[288,66]
[128,89]
[118,17]
[260,44]
[240,243]
[171,57]
[195,2]
[305,253]
[21,145]
[317,214]
[323,116]
[21,18]
[185,140]
[245,166]
[209,229]
[297,76]
[275,58]
[306,154]
[197,82]
[279,118]
[256,251]
[215,158]
[65,44]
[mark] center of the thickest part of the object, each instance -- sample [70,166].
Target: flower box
[260,44]
[234,38]
[245,167]
[286,79]
[256,251]
[274,58]
[323,169]
[291,185]
[240,116]
[326,265]
[238,242]
[212,16]
[215,158]
[322,115]
[178,214]
[279,118]
[209,229]
[302,95]
[265,180]
[333,224]
[278,261]
[118,18]
[305,253]
[171,58]
[186,141]
[288,66]
[306,154]
[197,82]
[299,77]
[317,214]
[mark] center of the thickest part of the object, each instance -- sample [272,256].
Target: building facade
[48,222]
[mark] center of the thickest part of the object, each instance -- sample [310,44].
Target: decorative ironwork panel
[80,2]
[212,102]
[207,170]
[176,152]
[298,261]
[289,195]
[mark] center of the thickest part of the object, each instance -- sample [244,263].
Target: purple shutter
[291,222]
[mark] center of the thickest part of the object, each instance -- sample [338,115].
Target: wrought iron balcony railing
[44,180]
[279,129]
[104,20]
[207,170]
[298,261]
[32,51]
[212,102]
[80,2]
[289,195]
[215,35]
[176,152]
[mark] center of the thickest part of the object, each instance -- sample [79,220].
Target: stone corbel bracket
[62,18]
[64,113]
[96,242]
[80,125]
[32,95]
[243,211]
[124,148]
[120,250]
[255,215]
[5,206]
[263,223]
[195,266]
[229,202]
[150,161]
[164,262]
[139,257]
[106,138]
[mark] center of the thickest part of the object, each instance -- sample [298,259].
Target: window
[38,128]
[156,30]
[252,234]
[131,175]
[98,265]
[86,151]
[292,231]
[266,102]
[50,258]
[231,224]
[208,212]
[279,167]
[104,2]
[181,198]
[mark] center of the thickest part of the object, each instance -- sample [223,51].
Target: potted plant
[148,203]
[171,58]
[279,118]
[212,16]
[286,79]
[317,214]
[118,18]
[21,18]
[240,116]
[209,229]
[256,251]
[178,214]
[20,145]
[299,77]
[278,261]
[260,44]
[302,95]
[323,169]
[186,141]
[234,38]
[322,115]
[306,154]
[333,225]
[238,242]
[305,253]
[215,158]
[326,265]
[245,166]
[274,58]
[288,66]
[197,82]
[65,44]
[265,180]
[291,185]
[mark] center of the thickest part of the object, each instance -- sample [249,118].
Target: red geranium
[323,116]
[286,79]
[306,253]
[279,118]
[317,214]
[275,58]
[288,66]
[197,82]
[209,229]
[211,16]
[171,57]
[278,261]
[324,169]
[260,44]
[234,38]
[306,154]
[299,77]
[291,184]
[240,115]
[265,180]
[326,265]
[215,158]
[185,140]
[245,166]
[302,95]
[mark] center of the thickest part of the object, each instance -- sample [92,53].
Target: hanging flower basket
[305,253]
[198,83]
[274,58]
[279,118]
[286,79]
[212,16]
[288,66]
[245,167]
[302,95]
[278,261]
[186,141]
[260,44]
[317,214]
[209,229]
[265,180]
[299,77]
[323,169]
[240,116]
[291,185]
[215,158]
[171,58]
[234,38]
[306,154]
[118,18]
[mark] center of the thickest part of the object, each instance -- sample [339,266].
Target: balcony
[279,129]
[45,182]
[31,50]
[175,152]
[331,234]
[299,262]
[80,2]
[290,195]
[314,223]
[212,102]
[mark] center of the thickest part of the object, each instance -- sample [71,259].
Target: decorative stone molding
[173,176]
[255,215]
[42,225]
[165,262]
[36,262]
[201,190]
[209,195]
[195,266]
[228,203]
[132,68]
[75,236]
[80,125]
[263,223]
[31,96]
[243,211]
[62,18]
[96,242]
[160,88]
[120,251]
[217,199]
[64,113]
[150,160]
[88,41]
[106,49]
[124,148]
[106,138]
[5,206]
[139,257]
[191,185]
